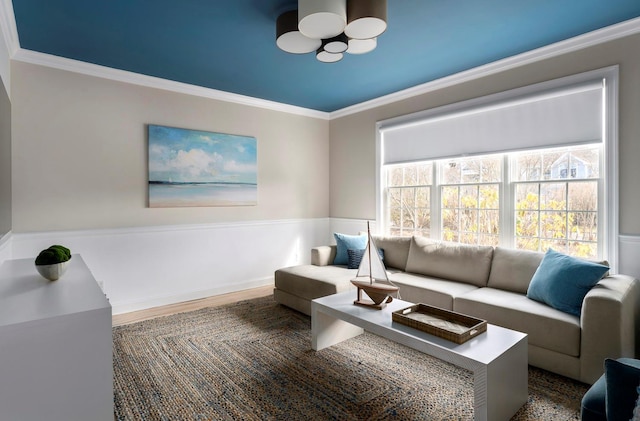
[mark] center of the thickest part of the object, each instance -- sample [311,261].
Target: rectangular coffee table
[497,358]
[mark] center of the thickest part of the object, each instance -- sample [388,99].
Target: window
[530,168]
[409,198]
[556,211]
[469,200]
[549,209]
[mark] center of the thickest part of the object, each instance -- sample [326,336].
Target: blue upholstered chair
[613,397]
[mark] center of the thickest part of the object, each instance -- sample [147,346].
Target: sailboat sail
[371,264]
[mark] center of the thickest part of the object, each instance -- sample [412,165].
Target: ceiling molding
[589,39]
[8,26]
[96,70]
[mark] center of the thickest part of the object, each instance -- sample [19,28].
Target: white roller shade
[569,115]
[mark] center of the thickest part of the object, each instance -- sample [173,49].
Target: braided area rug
[252,360]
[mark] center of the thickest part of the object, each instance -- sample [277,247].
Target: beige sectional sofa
[489,283]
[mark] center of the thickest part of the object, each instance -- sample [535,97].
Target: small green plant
[52,255]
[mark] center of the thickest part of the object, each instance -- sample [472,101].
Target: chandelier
[332,28]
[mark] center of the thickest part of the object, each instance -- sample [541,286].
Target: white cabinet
[55,345]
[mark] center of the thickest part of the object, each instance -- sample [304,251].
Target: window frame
[607,188]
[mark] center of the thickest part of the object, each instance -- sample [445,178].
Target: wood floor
[217,300]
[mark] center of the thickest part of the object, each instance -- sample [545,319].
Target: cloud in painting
[197,163]
[178,155]
[233,166]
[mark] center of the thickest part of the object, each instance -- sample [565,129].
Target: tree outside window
[554,202]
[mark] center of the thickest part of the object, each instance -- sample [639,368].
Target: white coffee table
[497,358]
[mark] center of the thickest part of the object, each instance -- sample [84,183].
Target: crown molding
[96,70]
[8,26]
[580,42]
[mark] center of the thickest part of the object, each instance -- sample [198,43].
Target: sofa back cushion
[512,270]
[452,261]
[395,249]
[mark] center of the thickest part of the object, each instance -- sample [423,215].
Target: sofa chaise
[490,283]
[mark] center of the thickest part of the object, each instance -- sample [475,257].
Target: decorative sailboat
[372,278]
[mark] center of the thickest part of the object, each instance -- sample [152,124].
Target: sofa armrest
[609,321]
[323,255]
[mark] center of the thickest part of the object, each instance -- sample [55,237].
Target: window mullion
[436,197]
[506,204]
[566,215]
[539,216]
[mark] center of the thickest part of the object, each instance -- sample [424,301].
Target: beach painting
[198,168]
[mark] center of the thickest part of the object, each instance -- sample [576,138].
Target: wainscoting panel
[629,255]
[140,268]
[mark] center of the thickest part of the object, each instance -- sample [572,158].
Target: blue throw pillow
[355,257]
[622,377]
[345,242]
[562,281]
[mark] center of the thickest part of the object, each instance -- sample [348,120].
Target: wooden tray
[452,326]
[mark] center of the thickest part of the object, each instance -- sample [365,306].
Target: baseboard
[127,307]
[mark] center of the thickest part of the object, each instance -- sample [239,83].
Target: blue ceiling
[229,45]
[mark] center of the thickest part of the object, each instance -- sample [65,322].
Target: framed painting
[198,168]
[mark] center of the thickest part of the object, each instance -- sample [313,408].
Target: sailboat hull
[378,293]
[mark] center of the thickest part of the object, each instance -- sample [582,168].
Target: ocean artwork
[197,168]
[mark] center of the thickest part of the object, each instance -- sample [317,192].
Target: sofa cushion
[512,270]
[452,261]
[547,327]
[396,250]
[622,378]
[432,291]
[310,282]
[345,242]
[562,281]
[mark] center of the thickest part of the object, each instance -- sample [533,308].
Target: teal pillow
[562,281]
[345,242]
[622,377]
